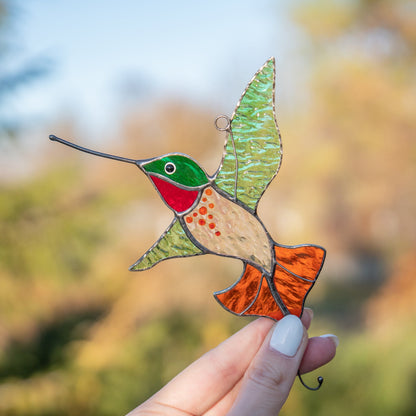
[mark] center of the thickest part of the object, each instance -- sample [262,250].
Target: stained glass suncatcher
[218,214]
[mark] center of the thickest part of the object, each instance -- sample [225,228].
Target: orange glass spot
[217,233]
[203,210]
[211,205]
[201,222]
[211,225]
[210,216]
[204,199]
[208,191]
[195,214]
[189,220]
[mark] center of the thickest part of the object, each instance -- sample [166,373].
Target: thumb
[270,376]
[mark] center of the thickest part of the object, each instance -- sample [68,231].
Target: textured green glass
[186,171]
[173,243]
[253,158]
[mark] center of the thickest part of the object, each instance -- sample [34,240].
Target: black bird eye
[170,168]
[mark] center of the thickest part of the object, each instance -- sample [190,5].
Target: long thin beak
[138,162]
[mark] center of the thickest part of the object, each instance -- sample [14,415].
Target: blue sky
[204,52]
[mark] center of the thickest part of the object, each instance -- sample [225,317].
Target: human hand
[251,373]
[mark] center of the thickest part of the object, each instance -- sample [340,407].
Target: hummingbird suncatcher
[217,214]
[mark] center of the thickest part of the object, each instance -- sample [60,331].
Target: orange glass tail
[297,269]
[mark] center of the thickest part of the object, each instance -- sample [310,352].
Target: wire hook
[219,123]
[320,381]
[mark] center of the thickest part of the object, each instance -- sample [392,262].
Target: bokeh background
[79,333]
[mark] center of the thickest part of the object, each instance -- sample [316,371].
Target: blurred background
[79,333]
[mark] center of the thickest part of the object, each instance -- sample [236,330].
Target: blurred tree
[12,76]
[361,60]
[362,57]
[364,99]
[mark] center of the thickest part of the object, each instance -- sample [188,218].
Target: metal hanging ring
[319,379]
[219,125]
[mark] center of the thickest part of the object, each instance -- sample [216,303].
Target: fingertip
[309,311]
[320,351]
[307,317]
[333,338]
[287,335]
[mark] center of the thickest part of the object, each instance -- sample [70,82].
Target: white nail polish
[333,337]
[287,335]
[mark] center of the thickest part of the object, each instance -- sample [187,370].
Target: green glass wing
[173,243]
[252,152]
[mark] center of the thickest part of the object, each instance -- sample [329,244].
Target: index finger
[206,381]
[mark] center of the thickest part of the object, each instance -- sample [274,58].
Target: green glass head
[177,168]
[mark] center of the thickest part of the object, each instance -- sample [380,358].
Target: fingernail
[333,337]
[287,335]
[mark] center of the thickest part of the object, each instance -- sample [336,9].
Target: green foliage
[38,234]
[46,351]
[159,350]
[371,376]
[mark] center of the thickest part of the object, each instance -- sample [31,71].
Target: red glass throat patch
[178,199]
